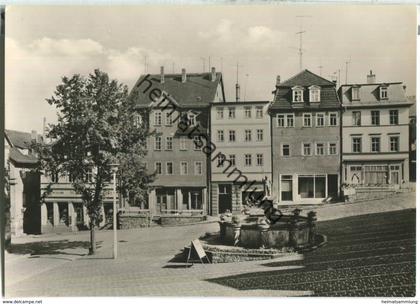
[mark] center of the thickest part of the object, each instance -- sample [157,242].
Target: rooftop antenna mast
[221,64]
[237,87]
[209,64]
[320,68]
[204,63]
[300,33]
[173,67]
[347,68]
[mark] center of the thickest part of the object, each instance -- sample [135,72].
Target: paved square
[366,255]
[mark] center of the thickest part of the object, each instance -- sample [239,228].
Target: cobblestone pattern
[370,255]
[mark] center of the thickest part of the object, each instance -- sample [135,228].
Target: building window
[333,119]
[357,118]
[158,168]
[184,168]
[220,135]
[183,143]
[231,114]
[232,159]
[285,120]
[138,120]
[198,168]
[247,112]
[169,168]
[248,160]
[314,94]
[394,142]
[158,118]
[259,113]
[307,120]
[260,135]
[197,143]
[280,121]
[375,118]
[355,93]
[192,119]
[54,177]
[320,122]
[297,94]
[383,92]
[260,160]
[285,150]
[232,135]
[248,135]
[219,113]
[312,186]
[168,121]
[158,143]
[393,117]
[290,120]
[169,143]
[375,144]
[320,149]
[220,160]
[307,149]
[286,188]
[332,148]
[356,144]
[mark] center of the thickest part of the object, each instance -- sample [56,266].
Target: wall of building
[296,163]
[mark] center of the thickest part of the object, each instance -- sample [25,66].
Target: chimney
[237,92]
[371,78]
[184,75]
[278,80]
[213,74]
[162,75]
[34,136]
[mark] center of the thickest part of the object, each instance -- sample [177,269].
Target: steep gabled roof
[19,139]
[305,79]
[20,159]
[199,90]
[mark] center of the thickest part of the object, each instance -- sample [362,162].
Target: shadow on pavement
[50,247]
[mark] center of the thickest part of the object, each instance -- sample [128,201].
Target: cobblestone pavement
[368,255]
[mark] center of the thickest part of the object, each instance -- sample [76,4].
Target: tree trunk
[92,249]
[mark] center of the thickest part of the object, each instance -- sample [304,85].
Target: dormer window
[355,93]
[192,119]
[297,94]
[314,94]
[383,92]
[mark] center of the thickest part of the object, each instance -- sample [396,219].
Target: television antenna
[204,63]
[300,33]
[347,68]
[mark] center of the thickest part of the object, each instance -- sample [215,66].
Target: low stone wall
[174,220]
[131,221]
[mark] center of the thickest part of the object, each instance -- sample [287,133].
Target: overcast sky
[43,44]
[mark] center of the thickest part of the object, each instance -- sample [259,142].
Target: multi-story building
[24,182]
[179,111]
[240,132]
[375,133]
[305,128]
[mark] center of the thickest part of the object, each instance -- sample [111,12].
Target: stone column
[204,200]
[56,214]
[72,217]
[85,217]
[189,200]
[44,214]
[152,201]
[178,194]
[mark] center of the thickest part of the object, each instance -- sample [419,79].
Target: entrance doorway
[332,185]
[394,174]
[225,197]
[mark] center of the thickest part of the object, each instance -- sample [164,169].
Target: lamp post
[114,169]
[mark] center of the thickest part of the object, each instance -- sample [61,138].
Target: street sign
[198,248]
